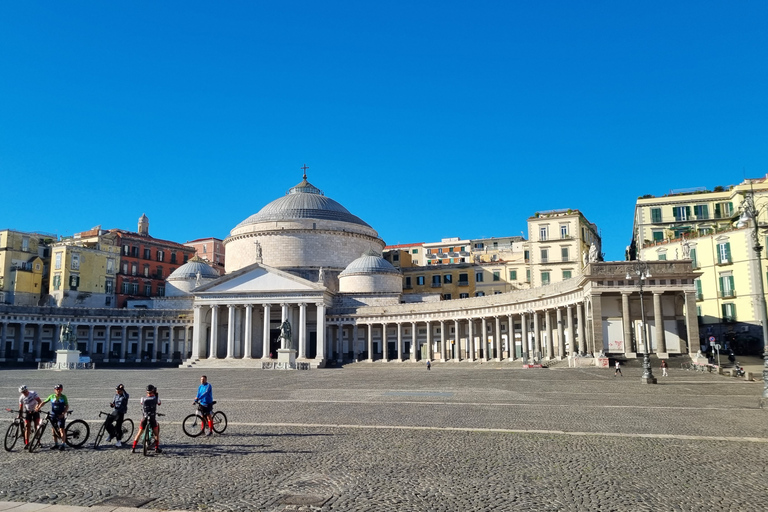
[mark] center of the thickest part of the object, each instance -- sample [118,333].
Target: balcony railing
[699,297]
[727,294]
[463,283]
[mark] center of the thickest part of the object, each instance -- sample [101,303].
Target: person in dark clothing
[149,405]
[114,422]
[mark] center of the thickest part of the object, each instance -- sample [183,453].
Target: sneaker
[62,448]
[133,450]
[158,450]
[118,444]
[55,447]
[209,434]
[109,439]
[26,446]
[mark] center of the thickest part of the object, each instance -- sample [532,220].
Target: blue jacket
[205,394]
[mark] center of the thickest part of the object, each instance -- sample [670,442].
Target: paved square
[398,437]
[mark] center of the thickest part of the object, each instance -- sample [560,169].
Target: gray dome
[369,263]
[304,201]
[190,269]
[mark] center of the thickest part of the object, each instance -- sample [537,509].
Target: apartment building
[702,226]
[24,260]
[211,250]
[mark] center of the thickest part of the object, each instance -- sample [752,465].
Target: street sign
[711,339]
[717,346]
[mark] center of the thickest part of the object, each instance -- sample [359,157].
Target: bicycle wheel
[193,425]
[127,429]
[77,433]
[100,435]
[12,435]
[219,422]
[145,441]
[37,439]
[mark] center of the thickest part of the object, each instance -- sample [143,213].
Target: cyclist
[204,403]
[149,405]
[58,415]
[28,400]
[114,422]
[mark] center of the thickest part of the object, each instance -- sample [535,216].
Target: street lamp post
[640,268]
[749,213]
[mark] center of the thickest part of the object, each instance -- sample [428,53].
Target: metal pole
[647,377]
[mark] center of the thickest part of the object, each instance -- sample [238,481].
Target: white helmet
[22,388]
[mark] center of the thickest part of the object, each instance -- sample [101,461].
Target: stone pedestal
[66,357]
[286,355]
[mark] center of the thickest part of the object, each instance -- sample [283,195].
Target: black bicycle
[15,431]
[148,440]
[194,425]
[126,430]
[77,433]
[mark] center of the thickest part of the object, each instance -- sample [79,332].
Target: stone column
[124,338]
[571,340]
[510,338]
[198,342]
[692,323]
[355,342]
[560,337]
[188,337]
[548,331]
[658,321]
[89,342]
[470,339]
[231,332]
[626,321]
[484,339]
[456,341]
[302,331]
[265,340]
[537,336]
[248,341]
[370,342]
[526,351]
[320,355]
[597,323]
[384,343]
[414,348]
[22,336]
[497,339]
[38,342]
[442,339]
[213,352]
[156,348]
[3,342]
[399,341]
[580,328]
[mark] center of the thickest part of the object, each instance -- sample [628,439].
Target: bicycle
[77,433]
[194,424]
[15,430]
[148,439]
[126,430]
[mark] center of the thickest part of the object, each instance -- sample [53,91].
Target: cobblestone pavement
[400,438]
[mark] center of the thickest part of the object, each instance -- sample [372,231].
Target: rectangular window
[75,261]
[124,288]
[701,211]
[126,250]
[57,264]
[436,281]
[527,275]
[134,288]
[658,236]
[110,265]
[74,282]
[135,251]
[496,275]
[408,283]
[186,257]
[414,251]
[729,312]
[563,230]
[723,210]
[160,255]
[564,253]
[173,257]
[159,273]
[526,256]
[125,267]
[479,294]
[147,253]
[420,280]
[148,290]
[681,213]
[463,295]
[446,296]
[146,270]
[724,253]
[478,277]
[57,282]
[727,289]
[662,257]
[545,255]
[566,274]
[134,269]
[161,292]
[513,275]
[655,214]
[109,286]
[395,256]
[543,233]
[463,279]
[25,243]
[544,278]
[447,279]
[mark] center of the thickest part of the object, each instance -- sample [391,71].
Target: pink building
[211,250]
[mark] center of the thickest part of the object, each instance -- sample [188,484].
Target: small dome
[369,263]
[190,269]
[304,201]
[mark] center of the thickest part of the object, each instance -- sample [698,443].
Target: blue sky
[426,119]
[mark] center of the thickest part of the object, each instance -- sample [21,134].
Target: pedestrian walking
[617,371]
[664,367]
[429,365]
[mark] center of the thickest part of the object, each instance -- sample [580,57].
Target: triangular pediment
[258,278]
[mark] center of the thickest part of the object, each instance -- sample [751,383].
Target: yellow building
[83,270]
[700,225]
[23,260]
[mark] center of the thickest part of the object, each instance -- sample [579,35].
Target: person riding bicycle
[58,415]
[114,422]
[204,401]
[28,400]
[149,405]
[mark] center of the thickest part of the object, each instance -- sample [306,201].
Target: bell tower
[143,225]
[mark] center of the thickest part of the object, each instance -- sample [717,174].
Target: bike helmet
[58,386]
[22,388]
[151,388]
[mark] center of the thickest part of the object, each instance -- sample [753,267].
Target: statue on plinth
[68,338]
[285,333]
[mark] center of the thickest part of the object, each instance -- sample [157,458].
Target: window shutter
[698,286]
[693,257]
[722,288]
[687,212]
[724,311]
[730,284]
[728,251]
[717,211]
